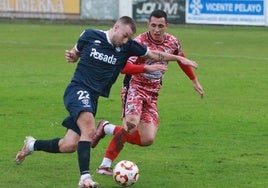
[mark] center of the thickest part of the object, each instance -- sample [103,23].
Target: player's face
[157,27]
[123,34]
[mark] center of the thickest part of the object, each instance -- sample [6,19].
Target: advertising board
[229,12]
[175,9]
[39,8]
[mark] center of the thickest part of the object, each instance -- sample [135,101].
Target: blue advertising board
[234,12]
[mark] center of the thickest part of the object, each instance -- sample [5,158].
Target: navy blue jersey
[100,62]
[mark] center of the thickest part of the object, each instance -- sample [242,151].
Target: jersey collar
[155,41]
[107,37]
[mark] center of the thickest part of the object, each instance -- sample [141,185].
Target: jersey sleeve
[185,68]
[82,40]
[131,68]
[138,49]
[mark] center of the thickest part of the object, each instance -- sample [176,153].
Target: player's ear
[115,27]
[167,24]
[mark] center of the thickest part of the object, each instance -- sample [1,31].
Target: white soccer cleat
[107,171]
[87,182]
[25,150]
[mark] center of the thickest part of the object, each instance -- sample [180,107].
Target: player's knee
[133,119]
[68,147]
[148,141]
[89,132]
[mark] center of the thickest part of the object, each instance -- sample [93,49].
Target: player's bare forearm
[163,56]
[186,61]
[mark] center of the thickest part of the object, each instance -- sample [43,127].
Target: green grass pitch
[220,141]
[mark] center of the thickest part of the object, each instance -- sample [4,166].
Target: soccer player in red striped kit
[140,93]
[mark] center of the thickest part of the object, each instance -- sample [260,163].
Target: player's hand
[155,67]
[198,88]
[71,55]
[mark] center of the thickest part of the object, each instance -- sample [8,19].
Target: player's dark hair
[126,20]
[158,14]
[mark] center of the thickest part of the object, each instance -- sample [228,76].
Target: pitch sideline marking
[229,56]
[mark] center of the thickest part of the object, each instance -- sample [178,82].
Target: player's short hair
[126,20]
[158,14]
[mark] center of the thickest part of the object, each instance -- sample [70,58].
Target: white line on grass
[230,56]
[31,43]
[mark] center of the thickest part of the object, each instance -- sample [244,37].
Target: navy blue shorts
[77,99]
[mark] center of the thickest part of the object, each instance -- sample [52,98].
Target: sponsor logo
[196,7]
[103,57]
[97,42]
[118,49]
[130,107]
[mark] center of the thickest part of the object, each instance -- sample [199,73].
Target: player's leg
[86,124]
[131,110]
[67,144]
[147,133]
[147,122]
[118,141]
[104,127]
[82,105]
[148,126]
[144,135]
[115,146]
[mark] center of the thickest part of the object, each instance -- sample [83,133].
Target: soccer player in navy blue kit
[103,55]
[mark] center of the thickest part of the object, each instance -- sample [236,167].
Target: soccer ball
[125,173]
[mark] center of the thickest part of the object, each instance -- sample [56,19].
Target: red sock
[116,144]
[118,140]
[117,129]
[134,138]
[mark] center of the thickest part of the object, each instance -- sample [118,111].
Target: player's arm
[163,56]
[131,68]
[187,69]
[198,87]
[191,75]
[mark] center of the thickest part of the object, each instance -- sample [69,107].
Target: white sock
[109,128]
[31,146]
[106,162]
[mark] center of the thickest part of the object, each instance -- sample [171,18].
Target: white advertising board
[227,12]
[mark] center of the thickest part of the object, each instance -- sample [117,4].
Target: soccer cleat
[25,150]
[107,171]
[87,182]
[99,133]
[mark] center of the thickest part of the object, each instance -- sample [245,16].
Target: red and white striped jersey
[152,81]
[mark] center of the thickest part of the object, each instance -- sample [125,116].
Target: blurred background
[220,12]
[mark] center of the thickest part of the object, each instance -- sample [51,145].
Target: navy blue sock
[83,152]
[51,146]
